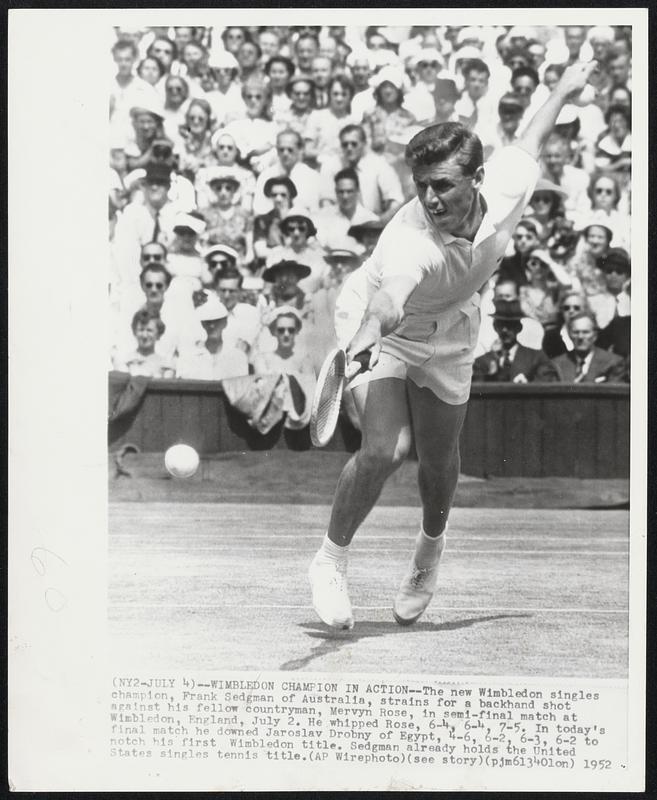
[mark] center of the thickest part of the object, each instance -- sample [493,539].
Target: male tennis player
[415,304]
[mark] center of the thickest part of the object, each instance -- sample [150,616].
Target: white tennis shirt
[449,270]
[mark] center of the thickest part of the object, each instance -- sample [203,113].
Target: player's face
[448,196]
[146,336]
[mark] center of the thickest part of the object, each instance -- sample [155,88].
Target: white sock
[428,549]
[330,551]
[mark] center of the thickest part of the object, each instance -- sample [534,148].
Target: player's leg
[437,426]
[386,437]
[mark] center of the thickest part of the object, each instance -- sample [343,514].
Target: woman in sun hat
[227,222]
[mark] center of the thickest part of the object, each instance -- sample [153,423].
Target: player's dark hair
[348,173]
[438,143]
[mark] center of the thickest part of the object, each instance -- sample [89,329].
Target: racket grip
[359,364]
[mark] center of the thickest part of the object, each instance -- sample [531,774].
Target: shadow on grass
[331,640]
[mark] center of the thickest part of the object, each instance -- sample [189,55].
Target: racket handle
[359,364]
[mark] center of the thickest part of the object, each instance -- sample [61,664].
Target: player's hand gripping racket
[328,393]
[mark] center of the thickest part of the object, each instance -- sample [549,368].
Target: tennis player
[415,304]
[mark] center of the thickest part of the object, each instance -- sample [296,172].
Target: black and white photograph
[345,477]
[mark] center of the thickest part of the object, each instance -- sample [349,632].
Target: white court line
[452,550]
[404,537]
[459,610]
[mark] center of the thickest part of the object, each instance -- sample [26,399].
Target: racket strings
[329,399]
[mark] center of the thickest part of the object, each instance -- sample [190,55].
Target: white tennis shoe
[415,591]
[328,580]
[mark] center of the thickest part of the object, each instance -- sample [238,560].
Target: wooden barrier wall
[535,430]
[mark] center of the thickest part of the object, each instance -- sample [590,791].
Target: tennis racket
[328,392]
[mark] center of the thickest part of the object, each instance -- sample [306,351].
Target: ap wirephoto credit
[361,482]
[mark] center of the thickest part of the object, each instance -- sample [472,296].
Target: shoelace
[419,576]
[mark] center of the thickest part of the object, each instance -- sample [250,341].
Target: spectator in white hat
[226,221]
[185,261]
[147,119]
[389,118]
[267,234]
[419,101]
[211,359]
[226,99]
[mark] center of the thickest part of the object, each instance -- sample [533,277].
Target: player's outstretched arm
[573,80]
[384,314]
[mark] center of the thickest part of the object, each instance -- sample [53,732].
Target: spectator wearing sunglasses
[525,239]
[557,338]
[292,360]
[226,220]
[300,246]
[546,206]
[289,164]
[226,97]
[267,233]
[301,91]
[605,194]
[427,64]
[380,187]
[255,135]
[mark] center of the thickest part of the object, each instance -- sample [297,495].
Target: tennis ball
[181,461]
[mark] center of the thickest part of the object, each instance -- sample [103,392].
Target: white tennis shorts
[436,354]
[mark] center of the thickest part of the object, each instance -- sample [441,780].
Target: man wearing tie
[586,363]
[509,361]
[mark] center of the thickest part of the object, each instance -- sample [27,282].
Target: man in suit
[586,363]
[512,361]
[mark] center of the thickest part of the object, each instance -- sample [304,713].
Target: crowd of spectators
[252,169]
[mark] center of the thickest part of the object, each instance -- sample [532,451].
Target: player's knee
[384,456]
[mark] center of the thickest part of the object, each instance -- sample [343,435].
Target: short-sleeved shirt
[449,270]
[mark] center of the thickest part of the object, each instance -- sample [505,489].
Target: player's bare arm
[384,314]
[573,80]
